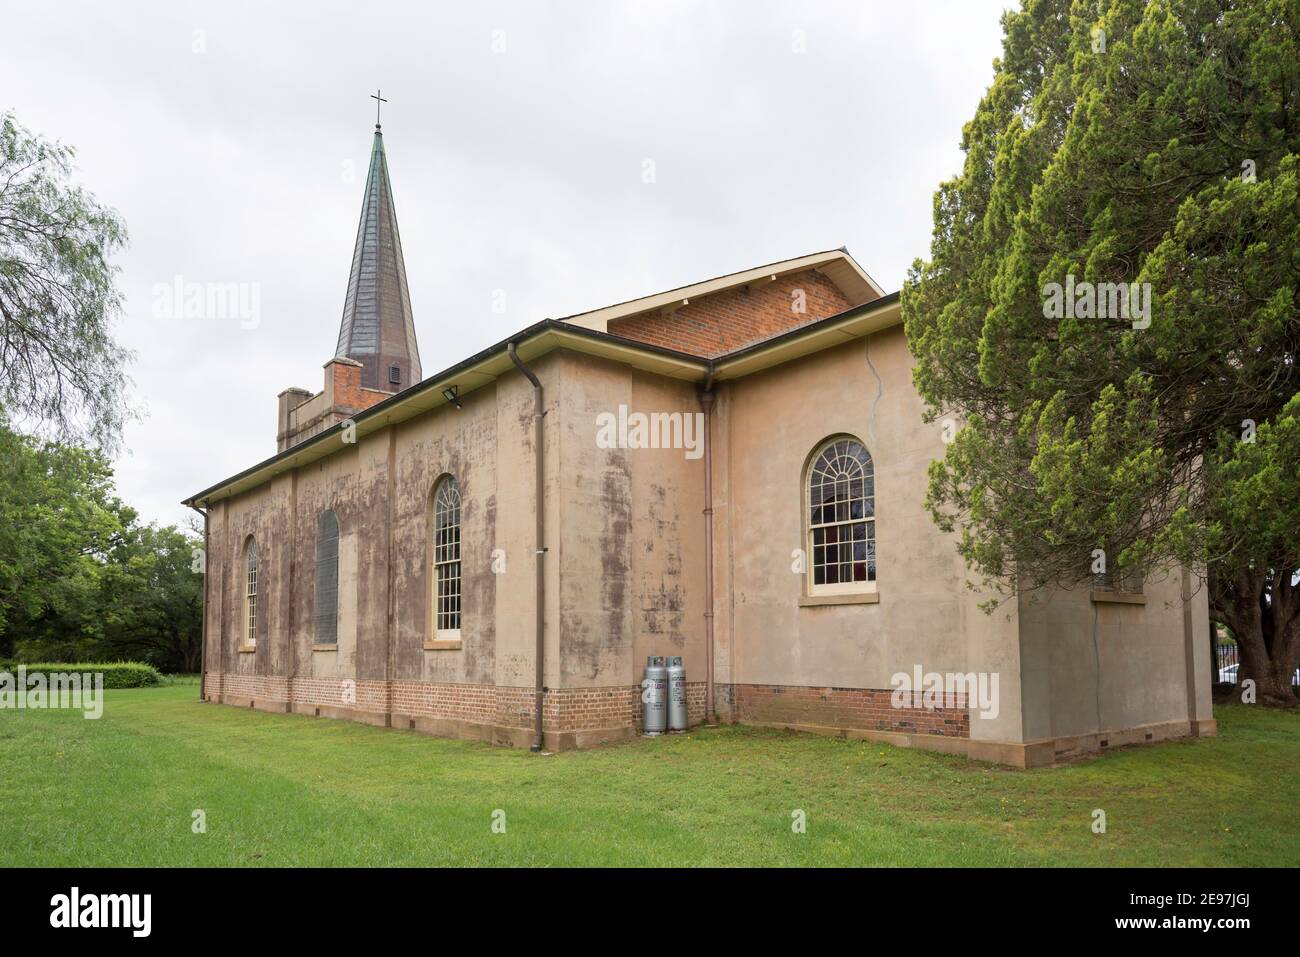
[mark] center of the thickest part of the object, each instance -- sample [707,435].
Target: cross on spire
[381,101]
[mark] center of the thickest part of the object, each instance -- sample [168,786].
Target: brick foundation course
[577,717]
[571,717]
[855,709]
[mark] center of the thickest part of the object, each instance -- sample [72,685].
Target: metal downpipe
[540,552]
[706,402]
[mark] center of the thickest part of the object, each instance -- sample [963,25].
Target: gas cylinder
[676,694]
[654,696]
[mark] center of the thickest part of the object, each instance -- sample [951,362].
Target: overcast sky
[233,138]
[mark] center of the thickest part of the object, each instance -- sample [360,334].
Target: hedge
[117,674]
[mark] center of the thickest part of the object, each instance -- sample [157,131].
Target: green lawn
[292,790]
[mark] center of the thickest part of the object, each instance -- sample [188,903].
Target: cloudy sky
[233,138]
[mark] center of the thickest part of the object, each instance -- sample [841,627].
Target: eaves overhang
[544,337]
[469,375]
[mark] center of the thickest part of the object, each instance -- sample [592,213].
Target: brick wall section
[733,318]
[314,414]
[480,704]
[596,709]
[238,686]
[563,709]
[591,709]
[864,709]
[349,393]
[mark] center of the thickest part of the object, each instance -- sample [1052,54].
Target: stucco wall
[1153,668]
[624,531]
[625,567]
[631,543]
[769,425]
[380,491]
[1102,666]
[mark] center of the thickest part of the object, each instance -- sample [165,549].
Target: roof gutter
[539,553]
[491,358]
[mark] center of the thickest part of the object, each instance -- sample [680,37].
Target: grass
[294,790]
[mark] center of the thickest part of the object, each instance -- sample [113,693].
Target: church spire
[378,329]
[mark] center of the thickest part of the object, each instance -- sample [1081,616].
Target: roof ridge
[700,282]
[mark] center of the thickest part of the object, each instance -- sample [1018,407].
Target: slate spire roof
[378,329]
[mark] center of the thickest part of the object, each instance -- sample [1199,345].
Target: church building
[732,472]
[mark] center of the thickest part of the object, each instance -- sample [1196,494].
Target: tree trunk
[1263,611]
[1214,650]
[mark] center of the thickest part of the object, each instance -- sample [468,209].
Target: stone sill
[1105,596]
[442,644]
[855,598]
[247,649]
[325,647]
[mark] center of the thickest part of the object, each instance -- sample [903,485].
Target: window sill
[1105,596]
[853,598]
[247,649]
[333,647]
[442,644]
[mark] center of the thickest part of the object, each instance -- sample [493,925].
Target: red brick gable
[728,320]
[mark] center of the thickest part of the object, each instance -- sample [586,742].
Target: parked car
[1228,675]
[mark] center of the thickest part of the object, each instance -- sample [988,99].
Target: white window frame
[251,566]
[870,585]
[445,555]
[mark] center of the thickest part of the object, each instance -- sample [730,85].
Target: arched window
[841,516]
[327,578]
[250,592]
[446,559]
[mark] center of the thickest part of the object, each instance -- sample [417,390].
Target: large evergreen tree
[1140,143]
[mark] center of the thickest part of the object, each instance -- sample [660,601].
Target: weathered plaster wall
[1092,667]
[1150,658]
[625,573]
[380,490]
[769,424]
[631,550]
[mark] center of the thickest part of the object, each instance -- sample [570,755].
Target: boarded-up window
[1107,577]
[446,557]
[327,579]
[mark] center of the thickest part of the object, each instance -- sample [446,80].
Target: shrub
[117,674]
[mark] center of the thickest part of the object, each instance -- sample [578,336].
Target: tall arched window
[841,515]
[250,593]
[327,578]
[446,559]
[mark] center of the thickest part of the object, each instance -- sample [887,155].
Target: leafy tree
[152,600]
[60,367]
[59,520]
[1154,145]
[80,578]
